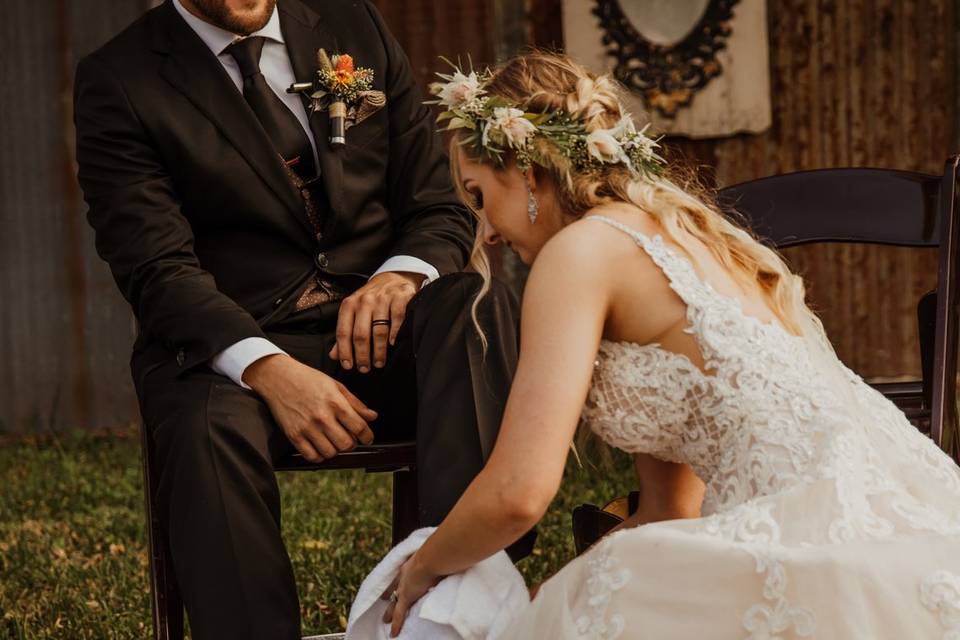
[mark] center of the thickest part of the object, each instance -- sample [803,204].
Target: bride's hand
[412,583]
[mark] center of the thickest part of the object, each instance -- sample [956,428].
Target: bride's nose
[490,235]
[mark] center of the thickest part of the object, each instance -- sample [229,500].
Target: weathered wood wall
[854,83]
[858,83]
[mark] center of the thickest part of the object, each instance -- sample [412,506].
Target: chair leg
[165,597]
[169,622]
[406,516]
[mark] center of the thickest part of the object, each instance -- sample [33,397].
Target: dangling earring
[532,207]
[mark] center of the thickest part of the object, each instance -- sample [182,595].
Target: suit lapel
[305,34]
[194,71]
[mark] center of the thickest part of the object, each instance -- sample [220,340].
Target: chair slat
[876,206]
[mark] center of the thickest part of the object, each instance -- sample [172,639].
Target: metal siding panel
[34,334]
[64,332]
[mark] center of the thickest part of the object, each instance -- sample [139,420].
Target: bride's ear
[530,175]
[539,180]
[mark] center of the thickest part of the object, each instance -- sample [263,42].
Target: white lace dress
[827,515]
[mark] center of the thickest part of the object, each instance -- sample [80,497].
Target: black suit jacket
[202,229]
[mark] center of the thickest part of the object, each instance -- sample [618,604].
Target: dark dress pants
[216,444]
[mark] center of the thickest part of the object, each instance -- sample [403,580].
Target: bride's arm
[564,308]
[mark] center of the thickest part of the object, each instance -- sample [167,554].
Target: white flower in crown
[513,124]
[460,92]
[646,145]
[602,145]
[493,124]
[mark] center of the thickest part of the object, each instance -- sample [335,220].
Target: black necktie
[283,128]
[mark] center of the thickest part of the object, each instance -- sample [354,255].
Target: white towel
[477,604]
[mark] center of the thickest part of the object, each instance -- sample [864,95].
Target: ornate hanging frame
[666,76]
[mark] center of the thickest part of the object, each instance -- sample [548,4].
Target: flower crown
[496,126]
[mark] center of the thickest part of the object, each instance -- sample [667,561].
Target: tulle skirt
[673,580]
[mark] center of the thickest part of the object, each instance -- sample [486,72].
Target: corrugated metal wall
[65,334]
[855,82]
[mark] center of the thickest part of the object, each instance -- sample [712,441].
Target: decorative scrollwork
[667,77]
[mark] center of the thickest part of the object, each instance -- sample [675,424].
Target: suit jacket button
[322,260]
[278,302]
[180,357]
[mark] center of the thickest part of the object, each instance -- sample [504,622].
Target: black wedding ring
[376,323]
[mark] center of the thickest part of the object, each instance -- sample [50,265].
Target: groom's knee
[209,429]
[453,296]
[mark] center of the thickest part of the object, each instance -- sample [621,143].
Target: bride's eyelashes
[477,200]
[473,194]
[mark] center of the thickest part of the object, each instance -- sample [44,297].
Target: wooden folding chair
[400,459]
[877,206]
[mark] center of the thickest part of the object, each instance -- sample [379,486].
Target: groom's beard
[242,17]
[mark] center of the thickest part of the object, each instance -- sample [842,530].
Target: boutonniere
[343,91]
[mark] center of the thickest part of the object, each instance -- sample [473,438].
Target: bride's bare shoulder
[588,238]
[593,246]
[576,258]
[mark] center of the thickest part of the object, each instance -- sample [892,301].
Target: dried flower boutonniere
[344,91]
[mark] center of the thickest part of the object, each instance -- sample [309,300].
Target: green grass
[73,561]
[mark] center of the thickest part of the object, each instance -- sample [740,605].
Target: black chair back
[877,206]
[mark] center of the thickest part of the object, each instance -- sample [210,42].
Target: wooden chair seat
[376,457]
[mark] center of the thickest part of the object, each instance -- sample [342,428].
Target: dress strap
[684,280]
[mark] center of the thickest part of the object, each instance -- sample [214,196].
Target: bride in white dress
[781,497]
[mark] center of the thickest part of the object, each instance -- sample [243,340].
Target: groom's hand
[317,414]
[383,299]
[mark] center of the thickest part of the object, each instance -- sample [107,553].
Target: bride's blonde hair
[540,81]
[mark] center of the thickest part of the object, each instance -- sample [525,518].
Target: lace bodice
[772,410]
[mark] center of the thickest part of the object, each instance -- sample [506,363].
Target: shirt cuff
[234,360]
[410,265]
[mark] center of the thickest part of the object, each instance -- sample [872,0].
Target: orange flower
[343,76]
[344,63]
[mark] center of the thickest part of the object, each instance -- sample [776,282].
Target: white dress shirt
[278,72]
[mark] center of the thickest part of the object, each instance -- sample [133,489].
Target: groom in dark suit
[290,295]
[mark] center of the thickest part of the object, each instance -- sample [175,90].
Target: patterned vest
[320,290]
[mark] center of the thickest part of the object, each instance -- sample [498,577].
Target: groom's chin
[242,17]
